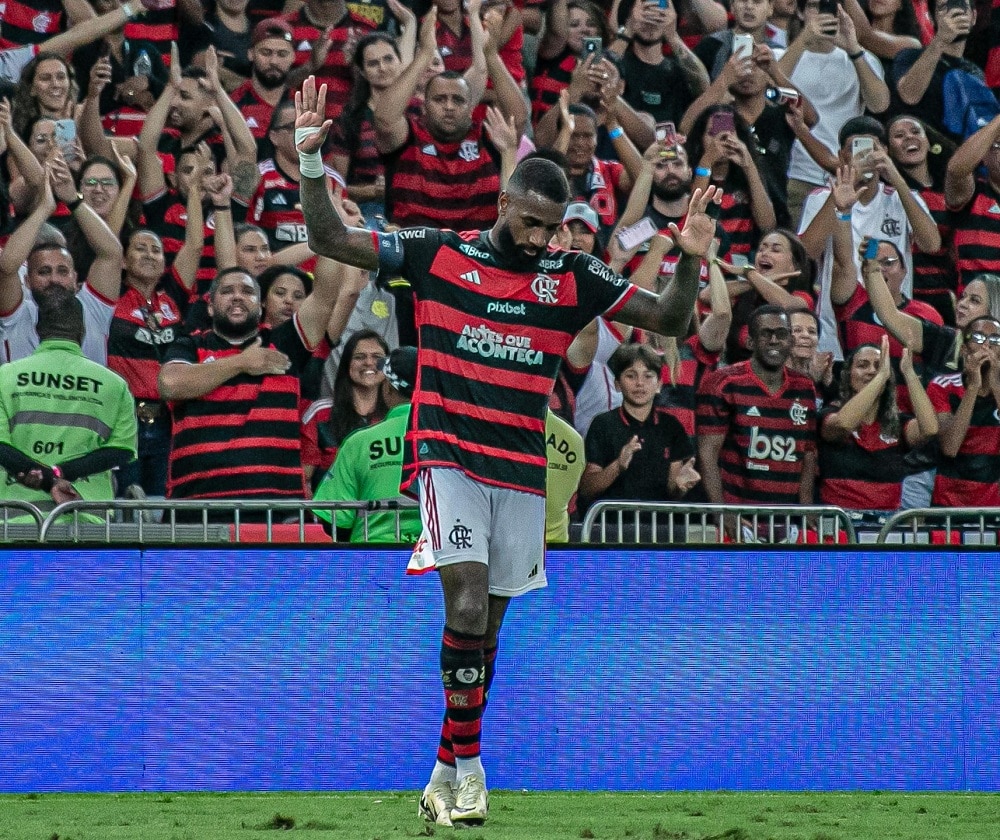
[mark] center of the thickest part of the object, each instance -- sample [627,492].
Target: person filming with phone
[660,85]
[918,75]
[841,79]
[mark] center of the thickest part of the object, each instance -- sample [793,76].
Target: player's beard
[235,332]
[512,253]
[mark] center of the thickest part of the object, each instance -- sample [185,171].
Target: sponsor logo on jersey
[471,277]
[505,308]
[753,412]
[472,251]
[765,447]
[429,149]
[489,344]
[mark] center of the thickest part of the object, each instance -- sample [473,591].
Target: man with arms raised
[495,312]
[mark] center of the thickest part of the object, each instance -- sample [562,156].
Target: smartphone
[743,44]
[862,145]
[666,133]
[634,235]
[871,249]
[65,134]
[721,122]
[592,46]
[828,7]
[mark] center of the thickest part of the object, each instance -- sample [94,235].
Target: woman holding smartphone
[727,157]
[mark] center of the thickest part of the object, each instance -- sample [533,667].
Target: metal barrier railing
[610,522]
[942,526]
[15,531]
[219,520]
[657,523]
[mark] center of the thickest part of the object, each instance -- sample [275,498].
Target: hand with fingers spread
[845,194]
[311,124]
[502,131]
[699,228]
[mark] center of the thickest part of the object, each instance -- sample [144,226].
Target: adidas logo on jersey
[429,149]
[279,199]
[252,123]
[995,209]
[471,277]
[753,412]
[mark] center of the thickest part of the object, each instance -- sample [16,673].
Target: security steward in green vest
[369,464]
[65,422]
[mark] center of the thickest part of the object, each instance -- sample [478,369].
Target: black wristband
[76,202]
[222,207]
[855,56]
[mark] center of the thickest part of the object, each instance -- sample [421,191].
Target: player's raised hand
[699,228]
[310,113]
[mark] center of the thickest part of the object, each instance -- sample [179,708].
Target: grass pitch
[513,816]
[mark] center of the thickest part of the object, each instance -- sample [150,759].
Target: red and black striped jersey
[977,234]
[257,113]
[970,478]
[159,26]
[736,218]
[142,330]
[491,337]
[551,76]
[859,325]
[865,471]
[765,435]
[600,188]
[29,21]
[166,216]
[242,439]
[449,185]
[681,396]
[336,71]
[934,278]
[275,206]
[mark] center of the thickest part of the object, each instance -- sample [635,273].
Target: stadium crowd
[844,349]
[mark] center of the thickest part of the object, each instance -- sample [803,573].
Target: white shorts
[466,521]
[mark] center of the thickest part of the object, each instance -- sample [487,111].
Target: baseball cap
[583,212]
[400,369]
[274,27]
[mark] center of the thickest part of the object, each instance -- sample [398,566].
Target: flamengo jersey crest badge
[545,288]
[469,151]
[40,22]
[798,414]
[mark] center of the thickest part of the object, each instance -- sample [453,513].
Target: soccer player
[495,310]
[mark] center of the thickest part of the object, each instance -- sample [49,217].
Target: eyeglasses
[104,182]
[980,338]
[887,261]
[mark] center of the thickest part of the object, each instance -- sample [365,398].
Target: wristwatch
[622,35]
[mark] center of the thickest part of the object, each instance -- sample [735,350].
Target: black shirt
[658,89]
[663,442]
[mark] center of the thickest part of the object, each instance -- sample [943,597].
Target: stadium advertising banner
[128,670]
